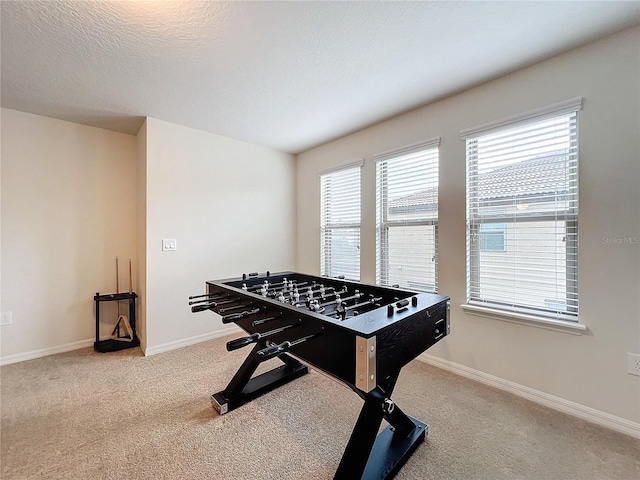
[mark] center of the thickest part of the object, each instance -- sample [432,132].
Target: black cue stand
[111,345]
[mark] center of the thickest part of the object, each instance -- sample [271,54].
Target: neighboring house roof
[538,177]
[423,197]
[529,178]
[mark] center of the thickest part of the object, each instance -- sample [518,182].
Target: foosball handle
[272,351]
[202,308]
[242,342]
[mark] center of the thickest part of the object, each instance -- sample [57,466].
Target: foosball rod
[244,341]
[266,282]
[295,293]
[209,306]
[341,312]
[306,302]
[275,350]
[314,306]
[260,321]
[206,295]
[310,292]
[210,299]
[371,301]
[234,317]
[224,311]
[287,289]
[284,289]
[313,289]
[340,300]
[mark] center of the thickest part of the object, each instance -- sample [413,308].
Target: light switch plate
[169,244]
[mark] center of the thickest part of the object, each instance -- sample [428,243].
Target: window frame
[328,227]
[564,321]
[384,225]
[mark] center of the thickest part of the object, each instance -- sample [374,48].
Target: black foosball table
[362,335]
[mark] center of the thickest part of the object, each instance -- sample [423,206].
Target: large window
[522,214]
[340,222]
[407,216]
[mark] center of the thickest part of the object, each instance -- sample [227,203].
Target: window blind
[407,217]
[340,223]
[522,217]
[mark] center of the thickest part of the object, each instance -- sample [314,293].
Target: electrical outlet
[633,364]
[7,318]
[169,244]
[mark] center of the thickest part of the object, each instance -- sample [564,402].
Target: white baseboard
[43,352]
[586,413]
[165,347]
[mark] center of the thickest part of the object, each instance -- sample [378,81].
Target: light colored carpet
[82,415]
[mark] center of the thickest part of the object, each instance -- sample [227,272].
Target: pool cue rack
[112,344]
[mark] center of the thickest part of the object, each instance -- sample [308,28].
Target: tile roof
[529,178]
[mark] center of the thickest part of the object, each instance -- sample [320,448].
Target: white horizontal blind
[407,217]
[340,223]
[522,217]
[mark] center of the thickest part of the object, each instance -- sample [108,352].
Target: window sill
[563,326]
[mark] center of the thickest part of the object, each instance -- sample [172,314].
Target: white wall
[68,208]
[141,237]
[74,197]
[231,207]
[589,369]
[1,233]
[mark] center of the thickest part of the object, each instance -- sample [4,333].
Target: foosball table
[362,335]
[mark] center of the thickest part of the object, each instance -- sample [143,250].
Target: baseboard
[43,352]
[185,342]
[581,411]
[165,347]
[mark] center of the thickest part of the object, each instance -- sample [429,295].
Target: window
[407,216]
[522,214]
[340,222]
[492,237]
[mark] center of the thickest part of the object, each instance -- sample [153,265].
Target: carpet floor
[82,415]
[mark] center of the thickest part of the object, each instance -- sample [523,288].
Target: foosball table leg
[370,455]
[242,388]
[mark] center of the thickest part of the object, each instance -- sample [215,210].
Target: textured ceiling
[287,75]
